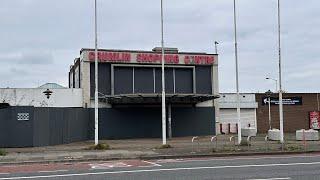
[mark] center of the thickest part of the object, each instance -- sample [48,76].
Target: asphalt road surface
[247,168]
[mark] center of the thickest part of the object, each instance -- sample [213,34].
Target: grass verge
[244,143]
[100,146]
[3,152]
[293,148]
[164,146]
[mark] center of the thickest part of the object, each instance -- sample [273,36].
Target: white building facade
[35,97]
[228,111]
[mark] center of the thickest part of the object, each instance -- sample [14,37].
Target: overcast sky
[40,38]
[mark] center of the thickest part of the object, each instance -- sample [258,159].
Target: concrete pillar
[85,82]
[215,91]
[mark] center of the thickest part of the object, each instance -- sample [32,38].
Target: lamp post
[276,82]
[280,79]
[237,72]
[96,113]
[269,93]
[163,100]
[216,46]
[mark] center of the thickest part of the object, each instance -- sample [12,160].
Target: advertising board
[314,119]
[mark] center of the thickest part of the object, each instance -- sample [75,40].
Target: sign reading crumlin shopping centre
[152,58]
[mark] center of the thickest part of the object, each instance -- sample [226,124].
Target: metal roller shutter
[248,116]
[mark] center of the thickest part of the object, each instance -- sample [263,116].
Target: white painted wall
[227,100]
[228,111]
[247,116]
[35,97]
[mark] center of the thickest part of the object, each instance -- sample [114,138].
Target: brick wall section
[295,116]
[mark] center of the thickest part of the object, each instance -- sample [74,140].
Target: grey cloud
[27,58]
[52,32]
[19,71]
[38,58]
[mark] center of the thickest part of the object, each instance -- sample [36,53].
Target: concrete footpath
[149,149]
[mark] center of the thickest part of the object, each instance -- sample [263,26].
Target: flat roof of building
[143,51]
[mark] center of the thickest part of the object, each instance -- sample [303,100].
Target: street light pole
[276,83]
[269,93]
[216,46]
[280,79]
[164,133]
[269,104]
[237,71]
[96,113]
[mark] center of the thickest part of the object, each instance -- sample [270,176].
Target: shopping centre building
[130,91]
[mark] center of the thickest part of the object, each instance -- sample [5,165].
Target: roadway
[280,167]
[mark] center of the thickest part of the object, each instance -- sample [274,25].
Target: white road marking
[286,178]
[231,159]
[63,170]
[152,164]
[109,165]
[159,170]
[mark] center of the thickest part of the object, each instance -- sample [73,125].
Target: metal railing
[234,142]
[260,143]
[193,141]
[214,138]
[266,140]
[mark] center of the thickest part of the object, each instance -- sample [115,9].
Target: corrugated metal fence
[34,126]
[29,126]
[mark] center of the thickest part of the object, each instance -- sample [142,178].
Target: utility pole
[237,71]
[96,111]
[164,131]
[280,80]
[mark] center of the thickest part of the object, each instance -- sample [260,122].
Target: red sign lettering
[198,59]
[111,56]
[151,58]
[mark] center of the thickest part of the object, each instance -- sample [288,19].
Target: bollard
[266,141]
[221,129]
[192,141]
[229,128]
[214,138]
[234,142]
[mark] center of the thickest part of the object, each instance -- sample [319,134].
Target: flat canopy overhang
[156,98]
